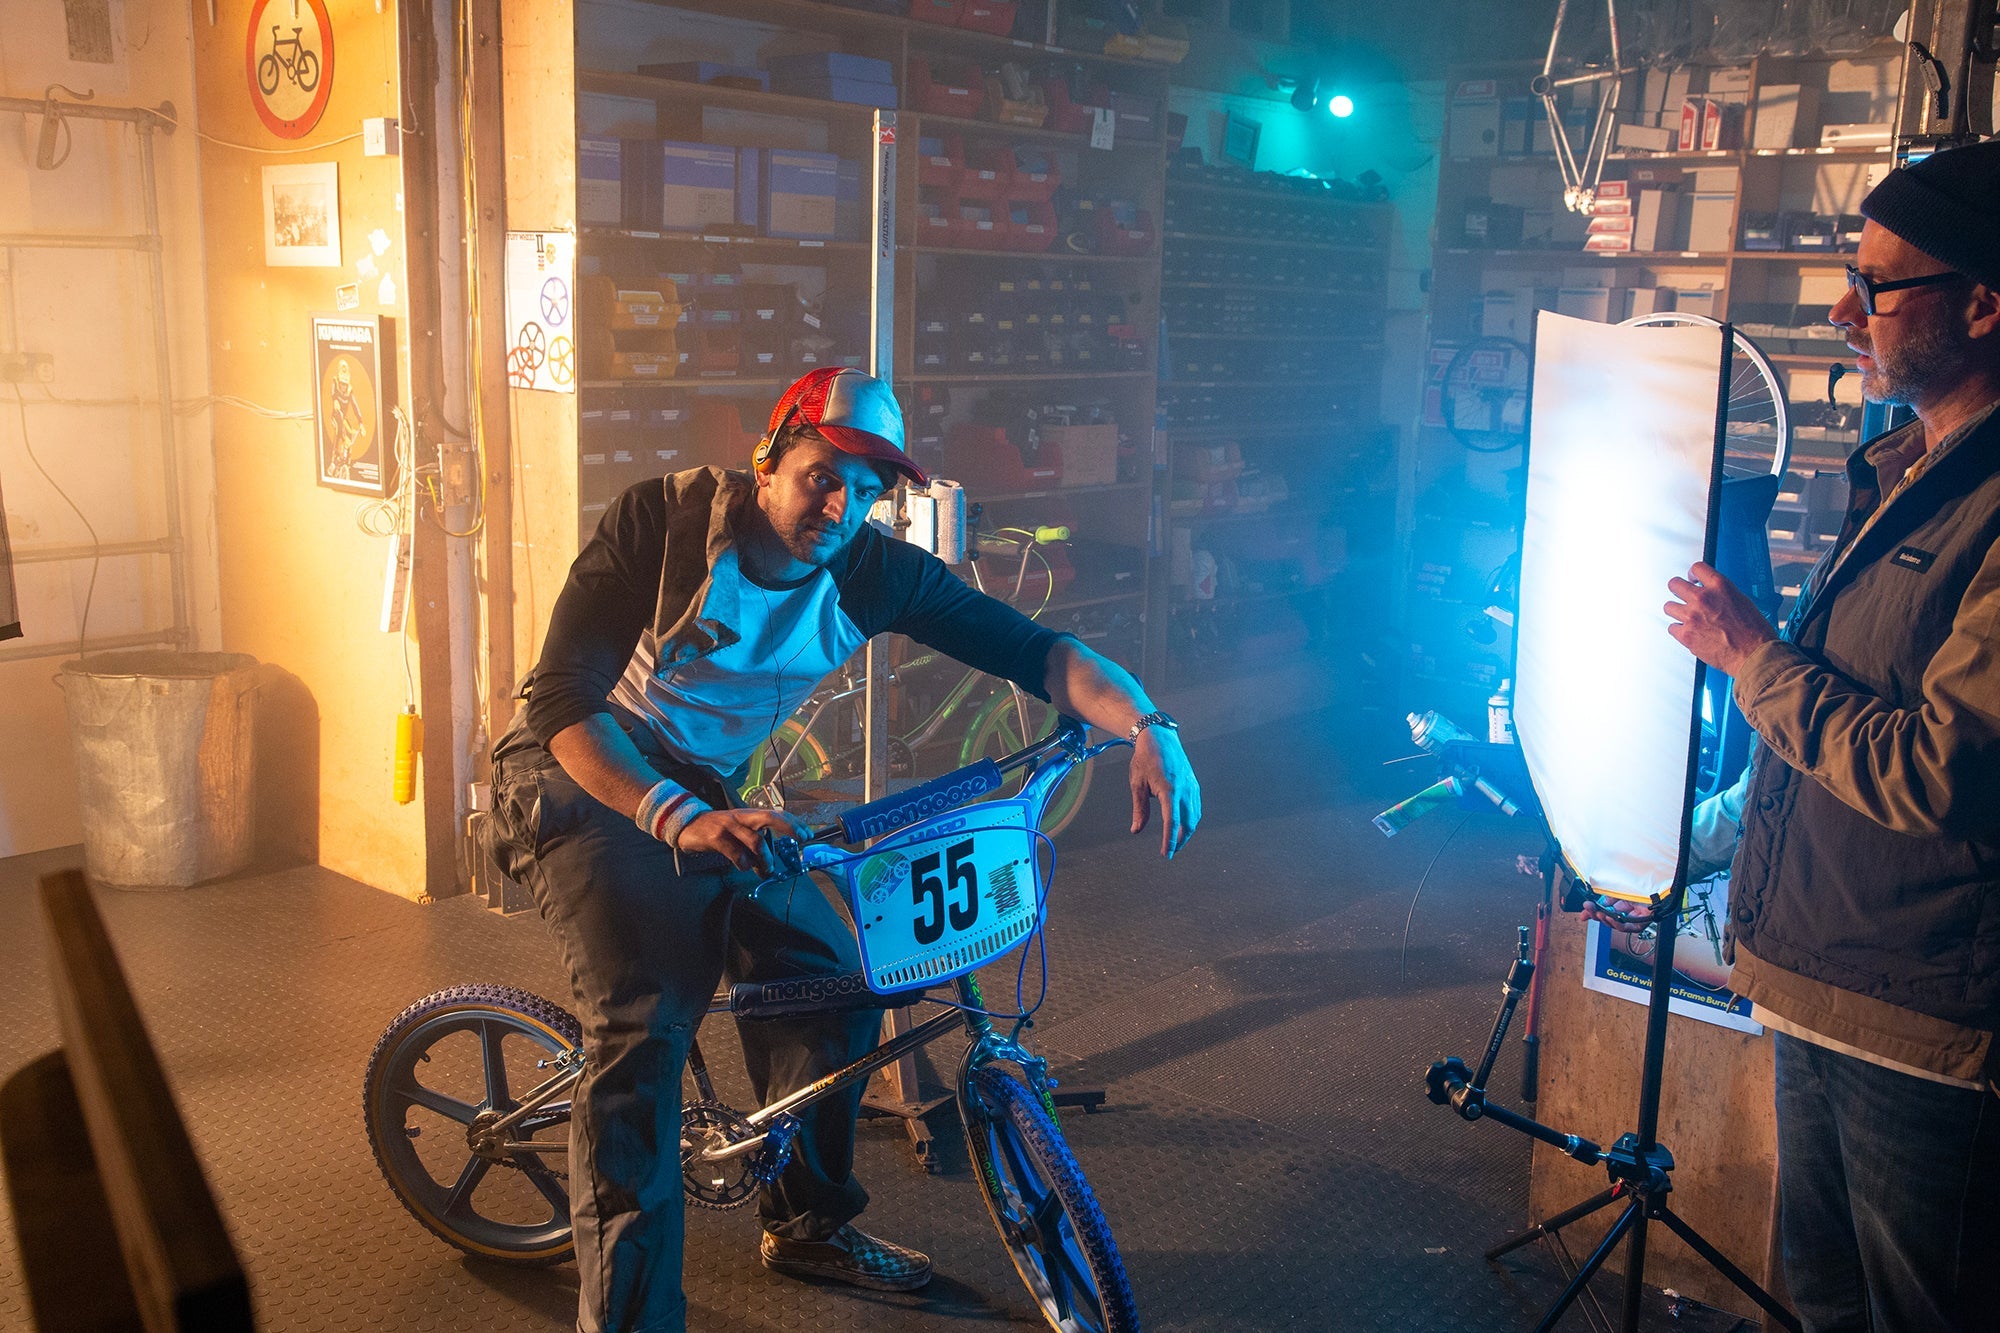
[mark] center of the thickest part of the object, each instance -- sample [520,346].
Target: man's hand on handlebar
[745,838]
[1161,772]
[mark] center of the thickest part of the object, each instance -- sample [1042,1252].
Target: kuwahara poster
[353,404]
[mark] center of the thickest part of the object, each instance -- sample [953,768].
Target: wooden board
[1716,1117]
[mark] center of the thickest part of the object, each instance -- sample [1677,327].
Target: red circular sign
[288,57]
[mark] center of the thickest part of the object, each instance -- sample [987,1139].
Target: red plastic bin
[988,172]
[981,225]
[994,16]
[1122,232]
[1031,224]
[952,89]
[941,169]
[1034,173]
[943,12]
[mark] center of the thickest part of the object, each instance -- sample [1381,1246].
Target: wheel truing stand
[1641,1168]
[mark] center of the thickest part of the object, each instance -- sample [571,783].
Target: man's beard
[1933,355]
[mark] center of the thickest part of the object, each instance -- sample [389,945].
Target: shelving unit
[1271,506]
[968,407]
[1456,654]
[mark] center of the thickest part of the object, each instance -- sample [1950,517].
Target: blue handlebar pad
[921,801]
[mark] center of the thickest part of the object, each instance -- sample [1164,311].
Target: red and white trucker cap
[854,410]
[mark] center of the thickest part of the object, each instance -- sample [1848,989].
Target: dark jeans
[1890,1191]
[645,948]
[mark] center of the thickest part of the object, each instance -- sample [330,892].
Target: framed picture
[1239,141]
[354,399]
[302,215]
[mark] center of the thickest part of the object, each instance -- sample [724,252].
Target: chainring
[719,1185]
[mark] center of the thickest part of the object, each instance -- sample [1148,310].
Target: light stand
[1640,1166]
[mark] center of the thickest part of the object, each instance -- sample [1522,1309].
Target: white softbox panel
[1623,457]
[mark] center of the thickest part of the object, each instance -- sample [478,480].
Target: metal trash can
[165,746]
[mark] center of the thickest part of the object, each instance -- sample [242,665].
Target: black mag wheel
[447,1065]
[1047,1216]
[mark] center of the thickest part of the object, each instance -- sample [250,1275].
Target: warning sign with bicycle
[541,322]
[288,58]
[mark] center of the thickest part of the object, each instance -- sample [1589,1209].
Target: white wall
[90,309]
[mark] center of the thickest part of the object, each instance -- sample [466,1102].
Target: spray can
[1433,730]
[1500,715]
[409,741]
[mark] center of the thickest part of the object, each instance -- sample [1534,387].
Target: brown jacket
[1869,860]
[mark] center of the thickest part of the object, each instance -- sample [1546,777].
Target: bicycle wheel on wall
[1047,1217]
[1757,439]
[996,732]
[445,1063]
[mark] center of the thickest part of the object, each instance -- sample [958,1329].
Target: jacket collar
[1962,461]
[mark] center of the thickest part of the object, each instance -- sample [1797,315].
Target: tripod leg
[1635,1271]
[1632,1213]
[1549,1226]
[1720,1263]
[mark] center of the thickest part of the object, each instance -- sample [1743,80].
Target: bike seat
[842,992]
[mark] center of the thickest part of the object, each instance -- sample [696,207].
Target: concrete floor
[1267,1158]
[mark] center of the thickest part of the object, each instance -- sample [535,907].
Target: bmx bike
[955,878]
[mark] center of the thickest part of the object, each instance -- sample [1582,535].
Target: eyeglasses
[1868,288]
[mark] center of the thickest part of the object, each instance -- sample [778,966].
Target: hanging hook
[53,123]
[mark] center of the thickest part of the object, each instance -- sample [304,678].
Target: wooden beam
[184,1272]
[489,230]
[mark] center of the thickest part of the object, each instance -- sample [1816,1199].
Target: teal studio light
[1340,105]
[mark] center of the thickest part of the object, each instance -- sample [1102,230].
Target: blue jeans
[1890,1193]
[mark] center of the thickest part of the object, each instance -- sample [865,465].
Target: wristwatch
[1152,719]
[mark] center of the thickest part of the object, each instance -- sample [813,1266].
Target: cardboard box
[1721,125]
[1711,220]
[1680,83]
[1729,85]
[1612,225]
[750,187]
[697,186]
[1696,301]
[1690,125]
[1786,115]
[1647,138]
[1608,245]
[600,181]
[1516,114]
[1475,125]
[640,164]
[1657,223]
[1511,313]
[850,206]
[1088,454]
[1647,301]
[1714,180]
[1585,303]
[800,194]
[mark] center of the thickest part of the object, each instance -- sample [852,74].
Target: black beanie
[1948,206]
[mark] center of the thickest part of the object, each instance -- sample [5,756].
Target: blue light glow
[1341,105]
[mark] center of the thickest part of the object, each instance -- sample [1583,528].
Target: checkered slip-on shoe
[848,1255]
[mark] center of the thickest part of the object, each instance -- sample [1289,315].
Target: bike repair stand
[1640,1166]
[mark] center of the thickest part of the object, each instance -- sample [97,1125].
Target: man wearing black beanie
[1865,891]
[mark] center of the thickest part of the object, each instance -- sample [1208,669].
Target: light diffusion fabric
[1623,456]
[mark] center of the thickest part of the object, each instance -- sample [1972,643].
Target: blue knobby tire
[1043,1207]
